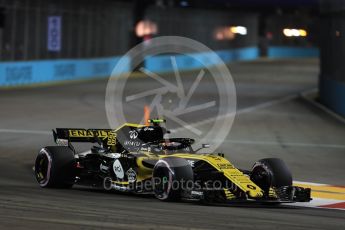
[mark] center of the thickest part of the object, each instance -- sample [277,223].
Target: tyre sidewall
[278,172]
[61,167]
[177,172]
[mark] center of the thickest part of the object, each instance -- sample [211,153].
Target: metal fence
[201,24]
[103,28]
[88,28]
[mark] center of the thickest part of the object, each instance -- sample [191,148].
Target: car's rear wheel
[55,167]
[170,177]
[271,172]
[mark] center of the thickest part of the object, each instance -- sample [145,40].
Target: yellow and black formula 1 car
[137,159]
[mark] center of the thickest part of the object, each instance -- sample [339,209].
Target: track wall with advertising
[50,41]
[50,71]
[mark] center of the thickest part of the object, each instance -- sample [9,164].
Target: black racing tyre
[55,167]
[171,176]
[271,172]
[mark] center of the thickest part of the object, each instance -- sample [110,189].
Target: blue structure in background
[36,72]
[49,71]
[162,63]
[286,51]
[332,94]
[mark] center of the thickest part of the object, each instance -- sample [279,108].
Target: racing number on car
[111,138]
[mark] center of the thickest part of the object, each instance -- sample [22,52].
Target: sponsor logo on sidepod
[118,170]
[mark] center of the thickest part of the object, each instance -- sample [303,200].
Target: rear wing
[63,136]
[128,136]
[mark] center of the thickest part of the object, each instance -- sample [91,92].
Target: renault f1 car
[137,159]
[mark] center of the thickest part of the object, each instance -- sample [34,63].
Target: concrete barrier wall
[332,46]
[289,51]
[50,71]
[37,72]
[332,94]
[162,63]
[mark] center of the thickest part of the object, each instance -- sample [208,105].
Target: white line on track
[292,144]
[310,183]
[317,203]
[243,111]
[262,106]
[243,142]
[25,131]
[96,224]
[239,112]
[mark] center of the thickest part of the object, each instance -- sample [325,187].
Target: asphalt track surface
[275,122]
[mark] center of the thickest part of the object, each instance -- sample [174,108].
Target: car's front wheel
[171,176]
[271,172]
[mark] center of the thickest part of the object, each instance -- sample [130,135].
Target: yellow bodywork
[230,172]
[220,163]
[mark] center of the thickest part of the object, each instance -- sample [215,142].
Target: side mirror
[203,146]
[206,146]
